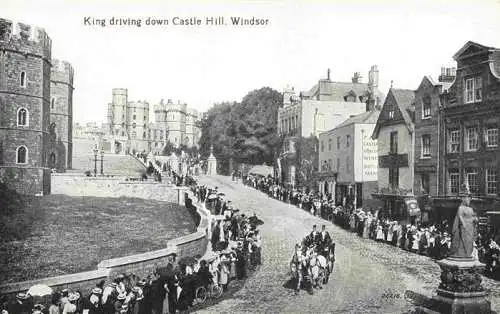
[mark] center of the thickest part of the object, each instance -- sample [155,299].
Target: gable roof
[444,85]
[405,101]
[473,46]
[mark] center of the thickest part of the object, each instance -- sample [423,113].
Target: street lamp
[95,160]
[102,161]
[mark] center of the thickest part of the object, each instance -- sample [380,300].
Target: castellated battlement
[24,38]
[180,107]
[62,71]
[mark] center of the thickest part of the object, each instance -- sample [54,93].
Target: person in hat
[92,304]
[22,304]
[120,300]
[54,307]
[70,306]
[64,298]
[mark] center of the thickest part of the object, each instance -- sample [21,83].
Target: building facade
[130,129]
[323,107]
[471,119]
[25,70]
[394,133]
[348,161]
[61,115]
[428,139]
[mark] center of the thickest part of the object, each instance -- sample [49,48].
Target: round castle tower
[25,69]
[138,125]
[61,115]
[118,121]
[176,122]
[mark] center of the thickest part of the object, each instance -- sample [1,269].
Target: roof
[365,117]
[336,91]
[468,45]
[405,100]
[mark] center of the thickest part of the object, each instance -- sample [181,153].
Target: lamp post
[95,161]
[102,161]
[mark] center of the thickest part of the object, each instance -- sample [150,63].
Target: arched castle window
[144,135]
[133,125]
[53,103]
[22,155]
[22,117]
[22,79]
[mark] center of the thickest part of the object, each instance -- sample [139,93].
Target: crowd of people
[232,229]
[370,223]
[236,251]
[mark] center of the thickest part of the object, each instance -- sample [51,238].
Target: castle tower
[137,125]
[176,122]
[192,132]
[25,54]
[61,115]
[118,123]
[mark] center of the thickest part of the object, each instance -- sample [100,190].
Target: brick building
[25,69]
[394,133]
[470,123]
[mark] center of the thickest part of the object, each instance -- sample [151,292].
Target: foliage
[245,131]
[171,148]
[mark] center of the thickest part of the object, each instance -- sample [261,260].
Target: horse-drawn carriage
[312,264]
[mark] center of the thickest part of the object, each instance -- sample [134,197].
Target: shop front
[402,208]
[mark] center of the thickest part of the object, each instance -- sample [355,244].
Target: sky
[202,65]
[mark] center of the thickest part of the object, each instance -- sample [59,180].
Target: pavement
[368,277]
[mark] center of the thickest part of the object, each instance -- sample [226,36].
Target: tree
[245,132]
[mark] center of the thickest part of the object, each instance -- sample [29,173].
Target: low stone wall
[139,264]
[111,187]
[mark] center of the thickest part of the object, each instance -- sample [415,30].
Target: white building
[348,160]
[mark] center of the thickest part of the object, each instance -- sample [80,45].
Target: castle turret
[61,115]
[119,112]
[25,67]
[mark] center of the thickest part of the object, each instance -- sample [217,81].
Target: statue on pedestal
[463,232]
[461,289]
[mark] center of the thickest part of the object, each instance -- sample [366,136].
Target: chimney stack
[328,74]
[373,78]
[447,74]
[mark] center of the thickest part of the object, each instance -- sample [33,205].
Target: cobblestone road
[364,269]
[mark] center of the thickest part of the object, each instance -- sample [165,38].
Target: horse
[317,267]
[330,260]
[297,266]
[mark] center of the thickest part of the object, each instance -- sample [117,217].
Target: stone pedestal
[460,290]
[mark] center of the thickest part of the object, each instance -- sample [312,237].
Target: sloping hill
[118,165]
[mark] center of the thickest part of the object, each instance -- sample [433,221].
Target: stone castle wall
[25,67]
